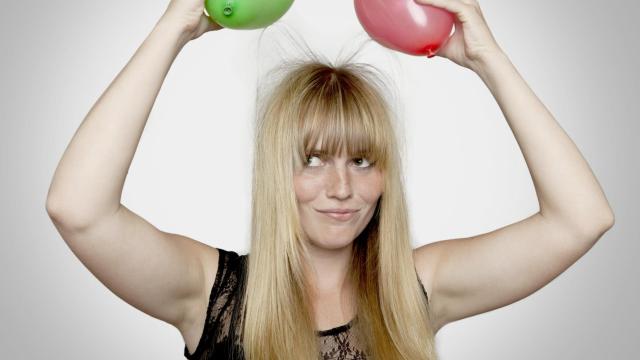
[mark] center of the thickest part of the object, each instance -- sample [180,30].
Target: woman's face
[336,182]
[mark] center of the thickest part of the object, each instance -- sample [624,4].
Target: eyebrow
[325,153]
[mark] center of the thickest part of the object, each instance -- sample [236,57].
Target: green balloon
[246,14]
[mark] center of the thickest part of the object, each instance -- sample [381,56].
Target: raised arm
[476,274]
[160,273]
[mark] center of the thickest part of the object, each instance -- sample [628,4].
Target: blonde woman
[331,273]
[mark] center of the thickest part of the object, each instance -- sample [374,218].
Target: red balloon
[405,25]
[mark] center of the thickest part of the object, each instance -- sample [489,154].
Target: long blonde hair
[344,105]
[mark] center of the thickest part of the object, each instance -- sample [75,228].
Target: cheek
[372,188]
[306,189]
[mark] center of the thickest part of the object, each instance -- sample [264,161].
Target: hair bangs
[338,116]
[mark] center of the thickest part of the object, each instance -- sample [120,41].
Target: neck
[328,272]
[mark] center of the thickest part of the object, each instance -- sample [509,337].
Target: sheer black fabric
[221,335]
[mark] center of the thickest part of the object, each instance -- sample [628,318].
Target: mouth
[339,214]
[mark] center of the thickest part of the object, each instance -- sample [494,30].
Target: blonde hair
[344,105]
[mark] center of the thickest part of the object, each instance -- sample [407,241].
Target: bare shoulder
[192,327]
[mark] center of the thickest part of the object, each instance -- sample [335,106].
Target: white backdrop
[191,173]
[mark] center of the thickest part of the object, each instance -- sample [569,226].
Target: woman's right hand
[190,15]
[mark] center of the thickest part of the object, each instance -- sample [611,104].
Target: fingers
[454,6]
[211,25]
[464,9]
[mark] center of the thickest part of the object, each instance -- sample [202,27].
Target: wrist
[174,29]
[489,62]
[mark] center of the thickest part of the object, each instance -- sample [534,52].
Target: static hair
[345,106]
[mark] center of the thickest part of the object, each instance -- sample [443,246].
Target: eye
[362,160]
[309,158]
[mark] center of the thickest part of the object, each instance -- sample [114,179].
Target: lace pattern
[221,334]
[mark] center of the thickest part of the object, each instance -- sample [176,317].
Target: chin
[332,244]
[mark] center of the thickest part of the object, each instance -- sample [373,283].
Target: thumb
[212,25]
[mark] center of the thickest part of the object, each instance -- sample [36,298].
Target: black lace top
[220,337]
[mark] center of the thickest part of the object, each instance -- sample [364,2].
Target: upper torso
[219,339]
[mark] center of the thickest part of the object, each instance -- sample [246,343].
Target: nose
[339,184]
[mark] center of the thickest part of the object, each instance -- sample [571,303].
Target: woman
[331,270]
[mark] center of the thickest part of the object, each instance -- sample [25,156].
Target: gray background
[191,173]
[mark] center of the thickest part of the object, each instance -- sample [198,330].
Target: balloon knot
[228,8]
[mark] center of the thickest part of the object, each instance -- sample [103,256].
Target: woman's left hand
[472,43]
